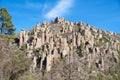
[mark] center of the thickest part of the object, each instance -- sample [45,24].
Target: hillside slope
[13,62]
[71,50]
[63,50]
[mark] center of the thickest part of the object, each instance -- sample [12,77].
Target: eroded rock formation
[50,42]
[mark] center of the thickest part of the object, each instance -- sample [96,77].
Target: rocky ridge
[80,44]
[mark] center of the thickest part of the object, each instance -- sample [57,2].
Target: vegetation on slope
[13,62]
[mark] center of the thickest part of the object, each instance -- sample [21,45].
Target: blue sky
[104,14]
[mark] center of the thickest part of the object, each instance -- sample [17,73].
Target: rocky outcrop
[48,43]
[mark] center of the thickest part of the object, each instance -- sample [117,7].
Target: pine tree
[6,25]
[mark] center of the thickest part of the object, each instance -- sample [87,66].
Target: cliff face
[85,49]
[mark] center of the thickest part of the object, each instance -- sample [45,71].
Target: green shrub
[16,65]
[9,38]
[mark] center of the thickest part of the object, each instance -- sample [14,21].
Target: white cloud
[60,9]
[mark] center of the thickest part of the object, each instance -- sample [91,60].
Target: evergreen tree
[6,25]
